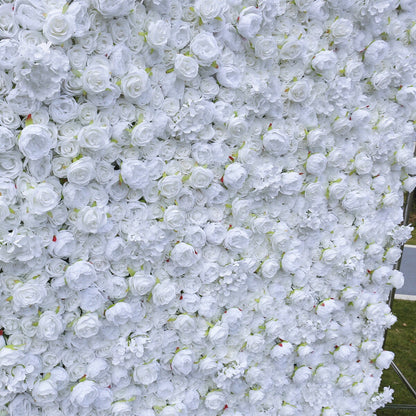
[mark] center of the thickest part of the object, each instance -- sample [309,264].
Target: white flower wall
[200,204]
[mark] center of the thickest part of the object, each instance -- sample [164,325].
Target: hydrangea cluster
[200,204]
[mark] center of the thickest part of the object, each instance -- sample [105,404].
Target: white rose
[141,283]
[7,139]
[10,356]
[43,198]
[80,275]
[158,34]
[201,177]
[324,62]
[29,15]
[218,334]
[265,47]
[183,362]
[215,232]
[58,27]
[174,218]
[215,400]
[170,186]
[94,137]
[208,366]
[299,91]
[10,164]
[184,255]
[180,34]
[36,141]
[135,86]
[376,52]
[205,48]
[229,76]
[50,326]
[255,343]
[234,176]
[96,78]
[91,219]
[185,325]
[269,268]
[146,373]
[208,10]
[109,8]
[91,299]
[81,172]
[276,142]
[63,109]
[249,22]
[354,70]
[237,239]
[163,293]
[84,394]
[87,326]
[135,173]
[186,67]
[119,313]
[316,164]
[341,30]
[291,49]
[45,391]
[27,294]
[143,133]
[291,261]
[363,163]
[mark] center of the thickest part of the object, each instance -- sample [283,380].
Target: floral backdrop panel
[201,204]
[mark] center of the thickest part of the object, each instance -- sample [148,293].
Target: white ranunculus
[87,326]
[36,141]
[50,326]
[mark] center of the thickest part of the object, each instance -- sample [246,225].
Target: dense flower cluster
[200,204]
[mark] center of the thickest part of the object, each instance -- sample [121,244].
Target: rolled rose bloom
[384,359]
[143,133]
[87,326]
[119,313]
[50,326]
[42,199]
[186,67]
[94,137]
[158,34]
[135,85]
[170,186]
[80,275]
[146,374]
[183,362]
[276,142]
[184,255]
[45,391]
[36,141]
[201,177]
[341,30]
[163,293]
[205,48]
[249,22]
[7,139]
[82,171]
[58,27]
[229,76]
[316,164]
[84,394]
[110,9]
[300,91]
[215,400]
[237,239]
[91,219]
[135,173]
[96,77]
[27,294]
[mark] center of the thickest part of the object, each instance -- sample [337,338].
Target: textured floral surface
[200,204]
